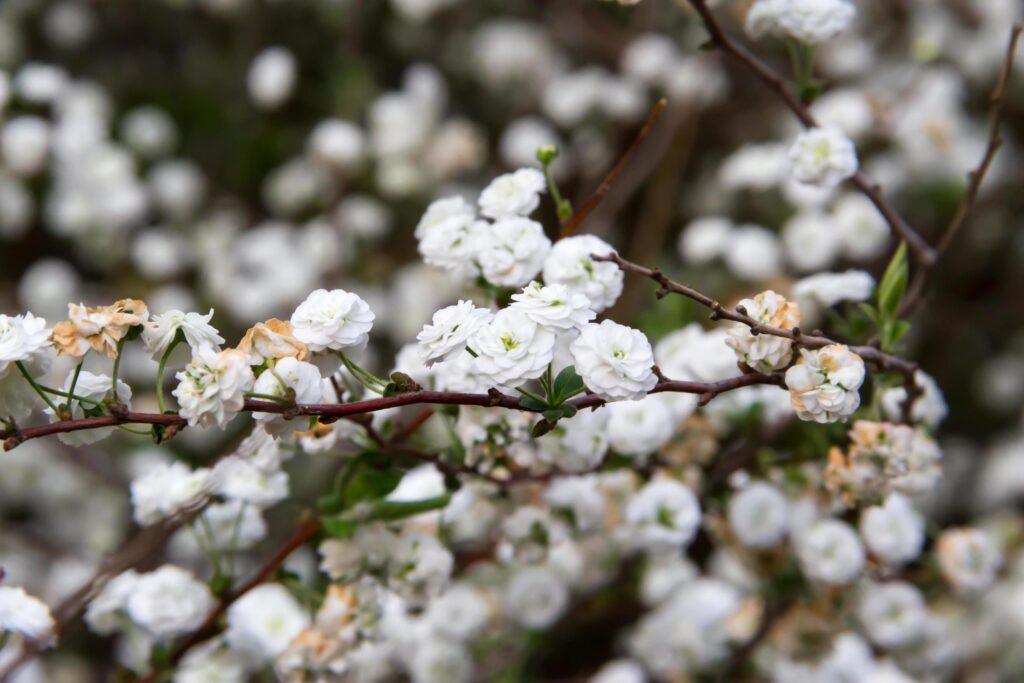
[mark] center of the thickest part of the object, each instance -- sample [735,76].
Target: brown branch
[975,178]
[569,227]
[300,537]
[719,312]
[923,253]
[333,411]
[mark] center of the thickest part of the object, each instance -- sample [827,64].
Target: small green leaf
[567,383]
[339,526]
[894,284]
[542,427]
[552,414]
[870,311]
[369,484]
[568,410]
[391,389]
[533,403]
[390,510]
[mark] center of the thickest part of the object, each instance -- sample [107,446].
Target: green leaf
[567,383]
[369,484]
[870,311]
[391,389]
[390,510]
[894,284]
[542,427]
[552,414]
[568,410]
[533,403]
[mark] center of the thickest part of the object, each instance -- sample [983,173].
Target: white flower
[619,671]
[211,662]
[233,525]
[512,251]
[580,499]
[91,387]
[289,378]
[824,384]
[22,337]
[663,514]
[166,490]
[823,156]
[759,515]
[439,660]
[512,349]
[765,352]
[341,144]
[810,21]
[929,408]
[569,263]
[830,552]
[969,559]
[616,362]
[419,567]
[553,306]
[862,229]
[705,239]
[264,621]
[754,253]
[513,194]
[639,428]
[460,613]
[169,602]
[105,614]
[211,388]
[883,457]
[828,289]
[160,330]
[536,597]
[450,328]
[24,614]
[272,77]
[893,531]
[894,614]
[576,444]
[241,479]
[448,235]
[811,241]
[333,320]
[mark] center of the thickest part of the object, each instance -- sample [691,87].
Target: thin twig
[975,178]
[569,227]
[923,253]
[332,411]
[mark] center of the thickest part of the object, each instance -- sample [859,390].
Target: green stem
[32,383]
[362,376]
[161,370]
[71,390]
[268,397]
[137,432]
[117,368]
[70,395]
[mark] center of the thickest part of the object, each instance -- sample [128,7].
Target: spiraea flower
[271,340]
[536,597]
[883,457]
[211,388]
[616,362]
[169,602]
[553,306]
[894,531]
[513,194]
[22,337]
[969,559]
[288,378]
[161,330]
[570,264]
[929,408]
[24,614]
[809,21]
[759,515]
[765,352]
[97,329]
[830,552]
[512,251]
[166,490]
[94,388]
[512,349]
[894,614]
[334,320]
[448,235]
[448,331]
[663,514]
[264,621]
[823,156]
[824,385]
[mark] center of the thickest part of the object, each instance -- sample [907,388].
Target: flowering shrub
[432,426]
